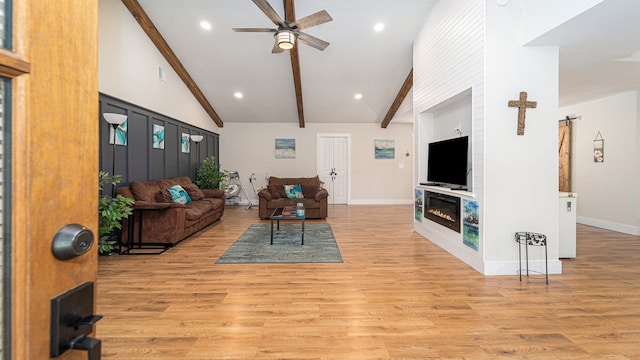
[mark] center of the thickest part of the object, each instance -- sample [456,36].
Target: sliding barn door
[564,155]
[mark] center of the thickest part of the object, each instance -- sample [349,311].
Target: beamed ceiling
[305,85]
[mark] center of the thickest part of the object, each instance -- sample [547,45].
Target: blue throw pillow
[179,194]
[293,191]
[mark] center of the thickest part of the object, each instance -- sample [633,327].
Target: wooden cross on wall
[522,106]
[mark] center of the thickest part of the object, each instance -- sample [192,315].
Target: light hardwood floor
[396,296]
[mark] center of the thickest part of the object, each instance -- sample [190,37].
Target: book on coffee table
[289,211]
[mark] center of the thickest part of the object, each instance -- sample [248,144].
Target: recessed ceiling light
[379,27]
[205,25]
[238,95]
[357,96]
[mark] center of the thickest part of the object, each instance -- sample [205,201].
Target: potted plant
[111,211]
[209,175]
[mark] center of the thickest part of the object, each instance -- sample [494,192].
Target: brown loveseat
[177,221]
[274,196]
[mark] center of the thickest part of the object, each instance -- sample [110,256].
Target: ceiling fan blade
[276,49]
[253,30]
[312,41]
[318,18]
[268,10]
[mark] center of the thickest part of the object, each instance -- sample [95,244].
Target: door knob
[71,240]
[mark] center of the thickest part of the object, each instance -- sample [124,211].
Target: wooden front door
[53,64]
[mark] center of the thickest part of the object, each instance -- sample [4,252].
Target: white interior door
[333,166]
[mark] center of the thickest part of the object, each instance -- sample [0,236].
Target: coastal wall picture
[158,136]
[285,149]
[120,134]
[184,142]
[470,224]
[417,203]
[384,149]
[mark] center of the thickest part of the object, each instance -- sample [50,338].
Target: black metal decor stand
[531,239]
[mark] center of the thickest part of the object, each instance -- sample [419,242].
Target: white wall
[249,148]
[476,44]
[544,15]
[607,191]
[521,174]
[128,68]
[448,61]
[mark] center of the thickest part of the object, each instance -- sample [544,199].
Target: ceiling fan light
[285,39]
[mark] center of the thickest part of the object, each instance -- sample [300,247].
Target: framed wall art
[598,148]
[158,136]
[120,134]
[184,142]
[285,149]
[384,149]
[470,224]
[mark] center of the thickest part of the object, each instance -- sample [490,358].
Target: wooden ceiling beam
[152,32]
[290,16]
[404,90]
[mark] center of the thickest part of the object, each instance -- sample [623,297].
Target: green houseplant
[111,211]
[209,175]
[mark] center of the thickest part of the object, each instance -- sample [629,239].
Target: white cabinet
[567,246]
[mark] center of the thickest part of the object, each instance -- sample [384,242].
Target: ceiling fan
[287,32]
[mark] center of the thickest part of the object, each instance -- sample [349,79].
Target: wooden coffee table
[277,215]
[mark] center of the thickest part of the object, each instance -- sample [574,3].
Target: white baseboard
[609,225]
[512,267]
[381,202]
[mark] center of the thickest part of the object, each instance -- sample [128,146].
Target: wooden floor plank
[395,296]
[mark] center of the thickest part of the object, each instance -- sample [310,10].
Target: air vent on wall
[162,74]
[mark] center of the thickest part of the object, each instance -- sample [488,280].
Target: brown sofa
[274,196]
[176,222]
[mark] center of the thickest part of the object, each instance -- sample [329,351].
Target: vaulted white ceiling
[360,60]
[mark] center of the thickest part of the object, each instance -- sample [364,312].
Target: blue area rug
[253,247]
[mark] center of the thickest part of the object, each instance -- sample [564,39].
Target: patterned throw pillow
[163,196]
[179,194]
[194,192]
[293,191]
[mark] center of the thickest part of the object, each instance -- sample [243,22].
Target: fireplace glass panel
[443,209]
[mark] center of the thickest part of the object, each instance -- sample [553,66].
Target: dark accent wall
[138,160]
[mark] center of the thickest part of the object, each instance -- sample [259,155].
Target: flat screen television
[447,163]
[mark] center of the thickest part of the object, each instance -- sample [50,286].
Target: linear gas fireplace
[442,209]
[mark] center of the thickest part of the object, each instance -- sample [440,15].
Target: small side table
[138,210]
[531,239]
